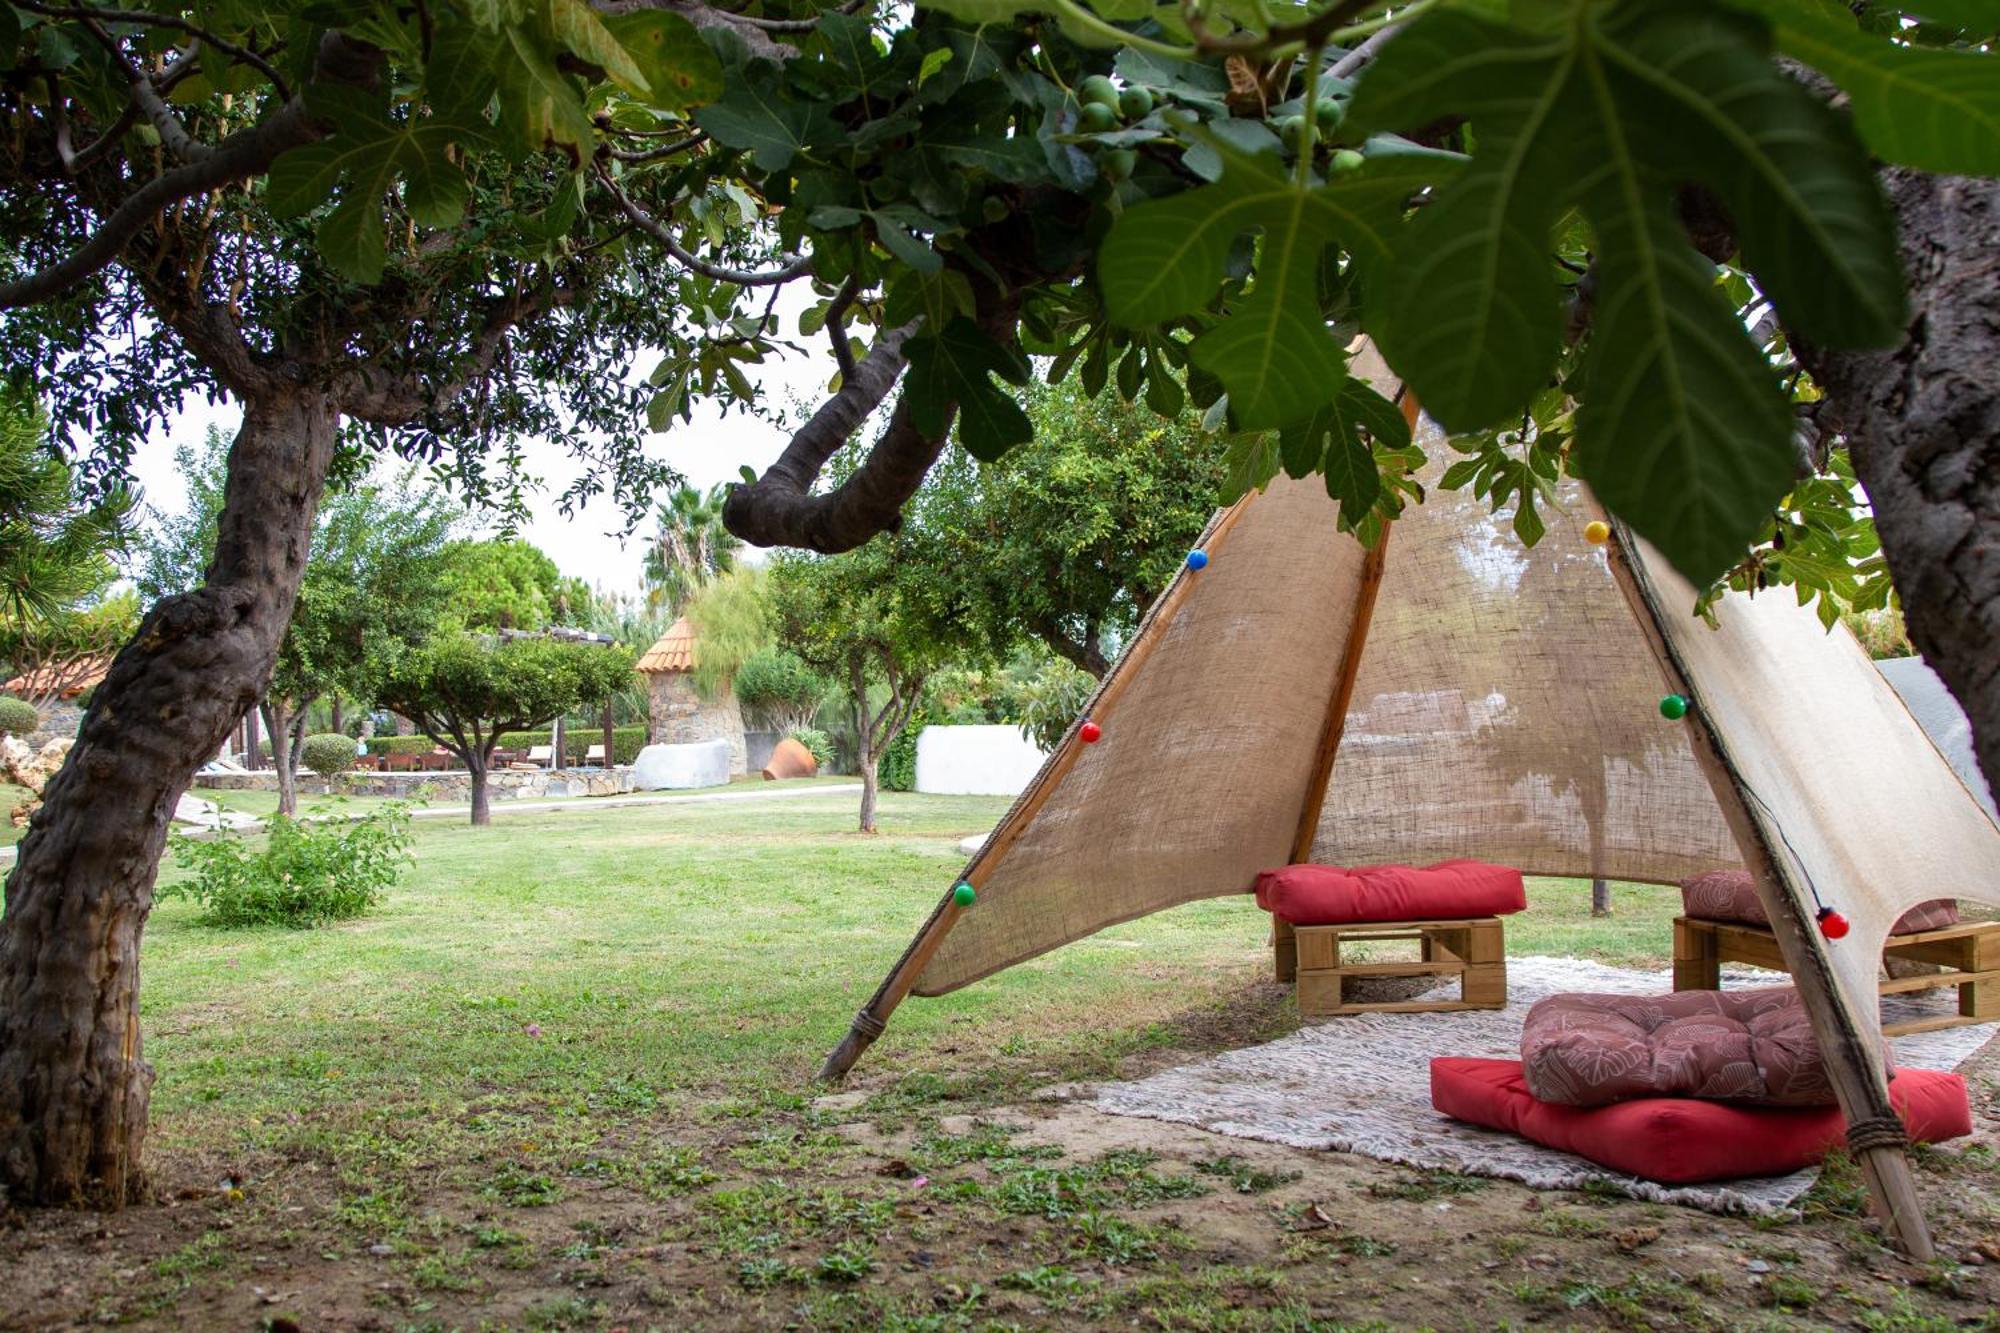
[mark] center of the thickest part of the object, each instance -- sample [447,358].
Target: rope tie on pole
[872,1027]
[1877,1132]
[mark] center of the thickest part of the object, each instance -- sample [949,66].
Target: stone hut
[679,712]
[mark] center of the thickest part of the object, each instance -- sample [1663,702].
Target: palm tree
[690,548]
[55,544]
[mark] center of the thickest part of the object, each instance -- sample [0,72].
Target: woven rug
[1361,1084]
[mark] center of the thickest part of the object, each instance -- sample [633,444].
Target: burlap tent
[1453,693]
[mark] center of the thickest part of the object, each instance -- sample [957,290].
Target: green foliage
[56,541]
[899,761]
[18,717]
[1068,539]
[689,547]
[1053,699]
[465,692]
[328,754]
[731,618]
[779,689]
[500,584]
[382,745]
[304,875]
[1684,431]
[816,743]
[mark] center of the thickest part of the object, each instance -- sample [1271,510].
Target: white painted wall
[976,761]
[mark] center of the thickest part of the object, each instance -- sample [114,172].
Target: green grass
[10,796]
[262,803]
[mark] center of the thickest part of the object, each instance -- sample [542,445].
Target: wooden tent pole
[1849,1045]
[873,1017]
[1284,943]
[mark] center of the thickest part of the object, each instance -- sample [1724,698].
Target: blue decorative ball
[1197,559]
[964,895]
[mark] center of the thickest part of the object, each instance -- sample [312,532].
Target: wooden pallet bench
[1969,953]
[1473,950]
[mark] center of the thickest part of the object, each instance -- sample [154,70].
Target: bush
[417,744]
[327,754]
[898,771]
[817,742]
[305,875]
[18,717]
[626,742]
[1054,699]
[777,688]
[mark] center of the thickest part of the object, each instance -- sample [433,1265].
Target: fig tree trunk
[1923,428]
[73,1078]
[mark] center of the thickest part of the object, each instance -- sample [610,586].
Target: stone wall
[59,722]
[682,717]
[449,788]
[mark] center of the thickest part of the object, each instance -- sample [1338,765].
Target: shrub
[777,688]
[18,717]
[305,875]
[1052,700]
[418,744]
[817,742]
[327,754]
[899,761]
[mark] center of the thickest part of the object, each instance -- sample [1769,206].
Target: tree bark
[482,808]
[1922,425]
[73,1081]
[870,767]
[278,721]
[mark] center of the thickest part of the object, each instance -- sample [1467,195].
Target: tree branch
[246,153]
[156,20]
[779,508]
[646,222]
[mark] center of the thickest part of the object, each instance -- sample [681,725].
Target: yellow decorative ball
[1597,532]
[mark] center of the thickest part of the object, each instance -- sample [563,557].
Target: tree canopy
[464,690]
[501,584]
[1069,538]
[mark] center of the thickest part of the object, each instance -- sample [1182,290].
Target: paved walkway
[582,804]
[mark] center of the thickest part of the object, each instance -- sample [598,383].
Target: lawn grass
[563,1078]
[313,802]
[10,796]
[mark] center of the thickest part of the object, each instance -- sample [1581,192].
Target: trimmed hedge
[327,754]
[18,718]
[626,742]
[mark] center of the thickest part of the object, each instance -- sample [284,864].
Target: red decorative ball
[1832,924]
[1090,731]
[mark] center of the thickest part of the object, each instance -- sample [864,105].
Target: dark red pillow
[1308,895]
[1682,1140]
[1730,895]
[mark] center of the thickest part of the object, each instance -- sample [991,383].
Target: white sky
[711,449]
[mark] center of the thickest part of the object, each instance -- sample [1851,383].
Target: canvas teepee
[1452,693]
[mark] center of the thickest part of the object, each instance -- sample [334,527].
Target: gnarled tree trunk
[73,1081]
[1923,428]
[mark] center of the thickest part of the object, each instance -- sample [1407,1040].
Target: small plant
[327,754]
[817,743]
[303,876]
[1422,1189]
[18,718]
[1243,1177]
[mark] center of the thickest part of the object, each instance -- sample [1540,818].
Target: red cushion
[1680,1140]
[1330,896]
[1731,895]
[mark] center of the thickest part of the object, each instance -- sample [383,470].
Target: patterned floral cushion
[1752,1046]
[1730,895]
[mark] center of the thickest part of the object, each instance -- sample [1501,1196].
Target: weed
[1570,1225]
[674,1170]
[1097,1235]
[1243,1177]
[518,1187]
[1787,1291]
[1839,1192]
[1363,1247]
[847,1263]
[1422,1189]
[764,1271]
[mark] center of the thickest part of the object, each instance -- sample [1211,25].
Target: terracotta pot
[789,759]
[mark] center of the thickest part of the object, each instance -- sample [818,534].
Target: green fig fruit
[1099,89]
[1096,118]
[1117,164]
[1135,103]
[1347,160]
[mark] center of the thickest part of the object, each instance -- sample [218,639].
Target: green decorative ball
[964,894]
[1674,707]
